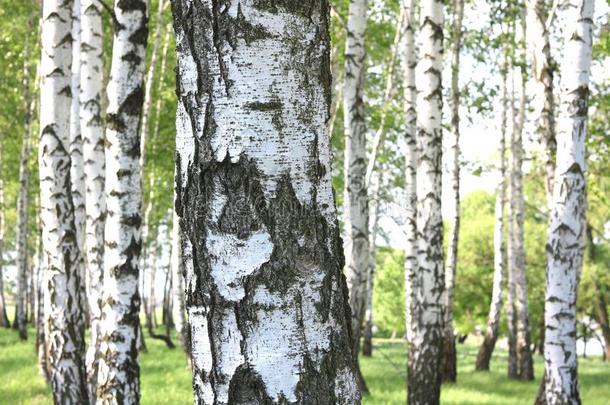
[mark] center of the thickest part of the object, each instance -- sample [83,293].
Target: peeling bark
[424,370]
[65,347]
[266,296]
[94,166]
[567,226]
[118,378]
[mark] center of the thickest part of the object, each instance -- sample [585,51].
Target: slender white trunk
[118,376]
[453,151]
[178,297]
[65,346]
[567,225]
[355,200]
[538,36]
[92,132]
[4,322]
[493,322]
[410,101]
[266,297]
[525,367]
[427,329]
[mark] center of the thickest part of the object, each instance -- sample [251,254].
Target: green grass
[166,379]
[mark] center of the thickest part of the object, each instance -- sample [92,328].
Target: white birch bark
[77,174]
[449,361]
[92,132]
[266,297]
[118,367]
[410,101]
[567,225]
[65,346]
[493,322]
[178,297]
[355,200]
[424,377]
[538,36]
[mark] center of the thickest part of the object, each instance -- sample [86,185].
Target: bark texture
[367,344]
[410,100]
[178,293]
[94,166]
[449,363]
[567,228]
[118,378]
[493,322]
[424,370]
[65,346]
[266,297]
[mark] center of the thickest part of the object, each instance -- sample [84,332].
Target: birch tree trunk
[525,365]
[567,225]
[543,75]
[367,345]
[65,346]
[449,361]
[266,297]
[4,321]
[178,293]
[355,205]
[424,371]
[410,102]
[493,322]
[77,174]
[118,378]
[94,166]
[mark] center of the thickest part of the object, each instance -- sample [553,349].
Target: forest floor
[166,378]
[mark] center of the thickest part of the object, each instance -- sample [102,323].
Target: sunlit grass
[166,378]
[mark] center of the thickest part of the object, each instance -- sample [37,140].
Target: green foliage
[389,293]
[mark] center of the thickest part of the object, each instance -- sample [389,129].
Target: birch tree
[178,297]
[261,240]
[355,196]
[410,99]
[118,378]
[449,361]
[542,68]
[92,132]
[65,346]
[424,371]
[493,322]
[567,226]
[4,321]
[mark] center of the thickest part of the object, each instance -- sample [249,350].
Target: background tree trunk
[4,321]
[355,198]
[94,166]
[410,102]
[493,322]
[63,312]
[567,225]
[256,206]
[424,372]
[449,361]
[118,370]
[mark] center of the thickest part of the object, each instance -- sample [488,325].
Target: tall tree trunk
[567,225]
[118,376]
[449,361]
[355,206]
[22,213]
[410,102]
[493,322]
[367,344]
[41,348]
[94,166]
[542,69]
[525,364]
[77,174]
[178,293]
[63,311]
[4,321]
[424,371]
[266,293]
